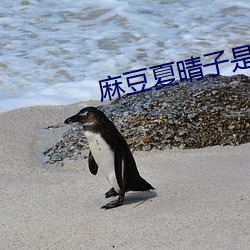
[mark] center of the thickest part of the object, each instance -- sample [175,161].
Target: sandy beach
[201,198]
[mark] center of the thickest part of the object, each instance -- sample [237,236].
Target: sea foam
[56,53]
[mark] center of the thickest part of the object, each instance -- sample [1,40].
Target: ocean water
[56,52]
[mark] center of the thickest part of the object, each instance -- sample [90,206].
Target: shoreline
[201,198]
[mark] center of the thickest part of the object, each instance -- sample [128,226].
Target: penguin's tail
[141,185]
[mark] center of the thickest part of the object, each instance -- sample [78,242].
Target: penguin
[110,152]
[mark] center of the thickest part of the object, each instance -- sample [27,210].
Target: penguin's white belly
[104,157]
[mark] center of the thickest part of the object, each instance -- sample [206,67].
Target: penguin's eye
[84,115]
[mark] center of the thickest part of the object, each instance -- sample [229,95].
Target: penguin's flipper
[93,167]
[111,193]
[118,166]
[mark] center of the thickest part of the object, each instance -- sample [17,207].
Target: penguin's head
[88,117]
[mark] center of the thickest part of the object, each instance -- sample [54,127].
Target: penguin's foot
[113,204]
[111,193]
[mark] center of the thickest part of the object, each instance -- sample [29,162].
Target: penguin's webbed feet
[113,204]
[111,193]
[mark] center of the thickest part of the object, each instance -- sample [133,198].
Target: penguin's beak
[74,118]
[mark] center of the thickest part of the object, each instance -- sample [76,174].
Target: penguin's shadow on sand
[139,198]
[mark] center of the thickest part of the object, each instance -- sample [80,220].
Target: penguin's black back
[132,180]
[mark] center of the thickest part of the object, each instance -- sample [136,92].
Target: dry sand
[201,201]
